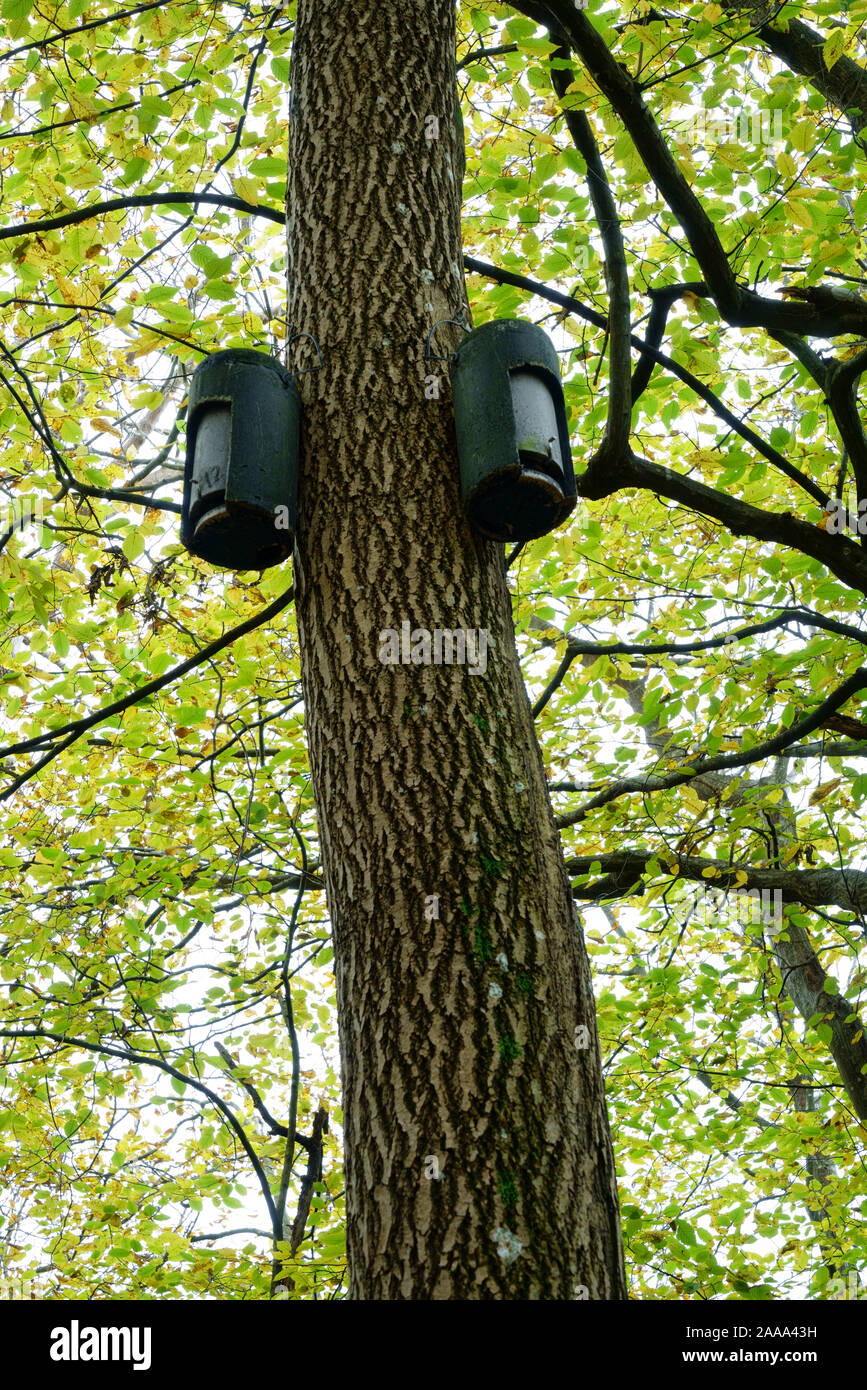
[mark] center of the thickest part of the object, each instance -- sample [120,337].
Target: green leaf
[207,260]
[191,714]
[133,545]
[218,289]
[269,166]
[134,170]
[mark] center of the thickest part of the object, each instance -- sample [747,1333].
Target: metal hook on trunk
[432,357]
[293,337]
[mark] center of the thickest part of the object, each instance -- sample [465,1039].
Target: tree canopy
[677,194]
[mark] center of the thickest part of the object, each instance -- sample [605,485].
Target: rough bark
[458,1030]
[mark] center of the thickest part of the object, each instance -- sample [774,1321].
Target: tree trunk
[478,1158]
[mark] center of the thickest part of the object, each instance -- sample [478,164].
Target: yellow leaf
[833,48]
[146,342]
[105,426]
[248,189]
[81,107]
[67,289]
[803,136]
[800,213]
[824,790]
[786,165]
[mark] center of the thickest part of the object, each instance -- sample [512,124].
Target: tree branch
[141,200]
[738,305]
[234,1068]
[576,647]
[115,18]
[800,48]
[236,1231]
[129,1056]
[77,727]
[652,354]
[836,552]
[761,751]
[618,420]
[843,888]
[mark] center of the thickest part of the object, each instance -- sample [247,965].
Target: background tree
[692,640]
